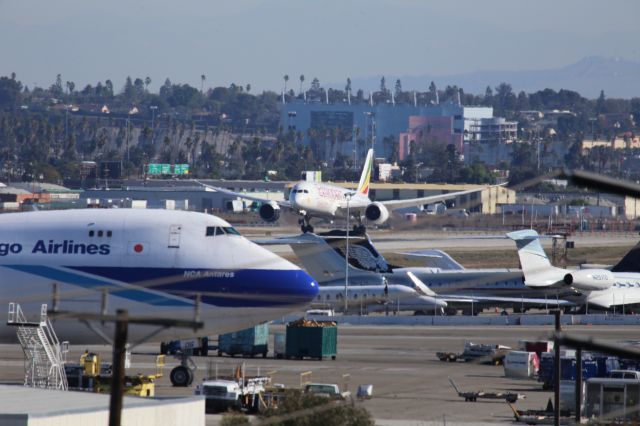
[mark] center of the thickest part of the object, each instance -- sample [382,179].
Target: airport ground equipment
[92,375]
[540,417]
[473,396]
[197,347]
[249,342]
[44,354]
[327,390]
[590,368]
[521,364]
[238,392]
[311,339]
[492,354]
[279,345]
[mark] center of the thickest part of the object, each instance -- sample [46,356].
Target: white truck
[328,390]
[230,394]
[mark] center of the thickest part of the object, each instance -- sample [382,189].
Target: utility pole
[117,378]
[348,196]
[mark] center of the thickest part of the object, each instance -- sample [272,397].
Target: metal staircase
[44,354]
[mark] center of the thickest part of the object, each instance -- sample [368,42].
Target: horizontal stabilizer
[420,286]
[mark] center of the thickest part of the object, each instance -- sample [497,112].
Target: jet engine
[270,212]
[377,213]
[590,279]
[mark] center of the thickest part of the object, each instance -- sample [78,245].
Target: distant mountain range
[618,78]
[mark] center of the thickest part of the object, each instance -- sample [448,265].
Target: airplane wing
[399,204]
[435,259]
[303,239]
[282,203]
[489,299]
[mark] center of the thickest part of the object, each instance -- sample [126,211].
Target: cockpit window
[215,231]
[231,230]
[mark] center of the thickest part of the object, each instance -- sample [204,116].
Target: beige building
[615,143]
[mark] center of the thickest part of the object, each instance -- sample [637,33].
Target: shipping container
[312,339]
[279,345]
[249,342]
[521,364]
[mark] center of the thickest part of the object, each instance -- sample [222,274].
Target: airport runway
[394,241]
[410,385]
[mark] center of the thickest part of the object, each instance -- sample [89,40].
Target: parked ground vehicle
[329,390]
[235,394]
[197,347]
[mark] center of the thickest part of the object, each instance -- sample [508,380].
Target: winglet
[365,178]
[420,286]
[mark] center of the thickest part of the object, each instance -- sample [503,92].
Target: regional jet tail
[603,288]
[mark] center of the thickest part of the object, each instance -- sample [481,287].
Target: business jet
[325,201]
[153,263]
[373,297]
[601,288]
[448,286]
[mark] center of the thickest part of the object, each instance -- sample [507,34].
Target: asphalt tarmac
[410,385]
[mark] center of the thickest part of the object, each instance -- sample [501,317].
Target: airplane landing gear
[305,226]
[182,375]
[359,229]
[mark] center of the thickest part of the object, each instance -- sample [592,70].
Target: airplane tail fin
[322,261]
[365,178]
[630,262]
[536,267]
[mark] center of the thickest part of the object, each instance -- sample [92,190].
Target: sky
[258,42]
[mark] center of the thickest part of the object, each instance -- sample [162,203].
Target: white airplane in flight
[322,200]
[602,288]
[154,263]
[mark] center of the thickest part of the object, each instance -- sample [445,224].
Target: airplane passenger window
[91,233]
[100,233]
[109,233]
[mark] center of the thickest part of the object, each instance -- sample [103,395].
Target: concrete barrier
[481,320]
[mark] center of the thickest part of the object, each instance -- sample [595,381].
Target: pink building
[429,129]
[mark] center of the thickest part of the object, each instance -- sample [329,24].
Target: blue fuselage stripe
[240,288]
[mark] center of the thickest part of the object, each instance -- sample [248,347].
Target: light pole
[347,196]
[153,116]
[373,126]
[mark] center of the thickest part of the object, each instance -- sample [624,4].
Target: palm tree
[147,82]
[202,79]
[301,81]
[286,78]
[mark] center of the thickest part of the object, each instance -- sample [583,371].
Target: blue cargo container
[546,372]
[250,342]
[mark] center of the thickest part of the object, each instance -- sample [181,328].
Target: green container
[249,342]
[312,342]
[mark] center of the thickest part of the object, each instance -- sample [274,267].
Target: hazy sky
[257,42]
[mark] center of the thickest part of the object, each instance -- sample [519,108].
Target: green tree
[304,409]
[9,93]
